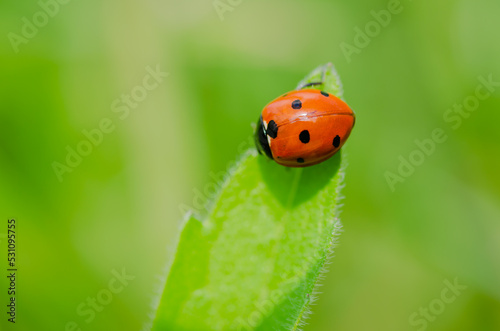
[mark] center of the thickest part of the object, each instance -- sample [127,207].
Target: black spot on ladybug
[336,141]
[296,104]
[304,136]
[272,129]
[300,160]
[325,94]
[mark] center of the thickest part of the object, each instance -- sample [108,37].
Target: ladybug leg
[309,84]
[315,83]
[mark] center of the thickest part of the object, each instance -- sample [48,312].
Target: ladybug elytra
[303,127]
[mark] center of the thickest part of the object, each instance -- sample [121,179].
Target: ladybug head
[261,139]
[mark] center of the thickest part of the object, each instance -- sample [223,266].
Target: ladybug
[303,127]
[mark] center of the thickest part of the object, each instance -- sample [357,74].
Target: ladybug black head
[261,139]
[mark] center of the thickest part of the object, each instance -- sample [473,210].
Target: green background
[120,209]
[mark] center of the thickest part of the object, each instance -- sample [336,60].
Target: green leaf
[254,261]
[329,78]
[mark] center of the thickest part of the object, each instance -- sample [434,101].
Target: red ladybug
[303,127]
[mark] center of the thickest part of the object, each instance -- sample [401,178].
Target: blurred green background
[119,209]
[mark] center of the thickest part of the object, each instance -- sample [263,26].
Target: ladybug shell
[304,127]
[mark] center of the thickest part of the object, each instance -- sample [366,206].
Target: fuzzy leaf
[253,263]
